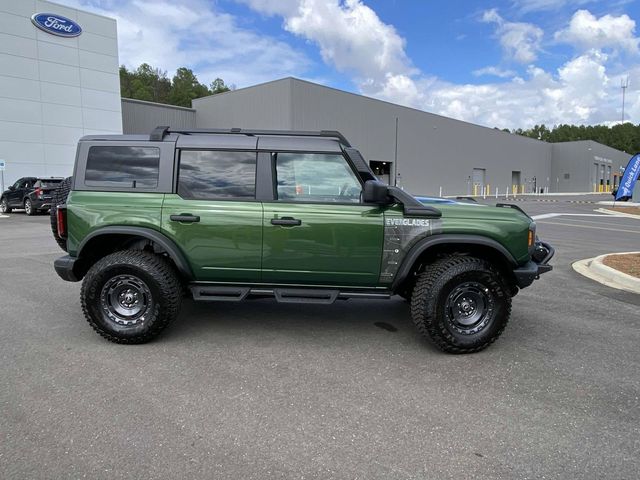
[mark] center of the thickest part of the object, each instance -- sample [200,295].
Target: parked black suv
[31,193]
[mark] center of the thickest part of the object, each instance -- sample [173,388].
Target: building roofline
[156,104]
[278,80]
[359,95]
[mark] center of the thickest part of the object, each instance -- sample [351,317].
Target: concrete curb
[594,269]
[617,214]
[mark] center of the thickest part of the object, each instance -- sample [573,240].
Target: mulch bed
[633,210]
[629,264]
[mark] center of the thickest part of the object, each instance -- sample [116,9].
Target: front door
[317,231]
[15,196]
[214,216]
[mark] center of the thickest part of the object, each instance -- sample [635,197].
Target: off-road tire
[28,208]
[4,206]
[161,280]
[59,197]
[431,303]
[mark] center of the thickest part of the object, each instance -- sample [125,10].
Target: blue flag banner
[629,179]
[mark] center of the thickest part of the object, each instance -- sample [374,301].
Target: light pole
[624,84]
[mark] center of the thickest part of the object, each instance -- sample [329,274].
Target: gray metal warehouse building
[419,151]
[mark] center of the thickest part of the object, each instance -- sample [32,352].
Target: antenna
[624,84]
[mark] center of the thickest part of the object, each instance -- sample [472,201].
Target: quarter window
[122,166]
[316,177]
[210,175]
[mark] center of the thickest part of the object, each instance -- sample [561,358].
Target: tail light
[61,220]
[38,192]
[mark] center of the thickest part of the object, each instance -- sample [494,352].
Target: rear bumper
[66,268]
[40,203]
[530,271]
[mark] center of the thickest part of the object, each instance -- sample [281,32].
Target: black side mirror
[375,192]
[11,187]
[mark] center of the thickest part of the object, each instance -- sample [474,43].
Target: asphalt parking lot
[261,390]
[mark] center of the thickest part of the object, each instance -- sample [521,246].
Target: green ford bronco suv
[225,215]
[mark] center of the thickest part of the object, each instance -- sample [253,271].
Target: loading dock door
[478,180]
[382,170]
[516,178]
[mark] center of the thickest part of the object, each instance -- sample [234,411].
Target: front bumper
[539,264]
[66,268]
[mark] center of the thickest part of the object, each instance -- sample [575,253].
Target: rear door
[214,215]
[317,231]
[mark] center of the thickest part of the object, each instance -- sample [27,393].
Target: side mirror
[11,187]
[375,192]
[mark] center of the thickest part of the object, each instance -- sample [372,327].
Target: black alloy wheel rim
[469,307]
[126,300]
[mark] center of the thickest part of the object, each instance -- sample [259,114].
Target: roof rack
[159,133]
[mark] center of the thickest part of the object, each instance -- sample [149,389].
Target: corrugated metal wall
[579,166]
[264,106]
[142,117]
[431,154]
[434,153]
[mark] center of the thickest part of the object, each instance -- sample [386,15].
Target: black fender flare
[460,239]
[155,236]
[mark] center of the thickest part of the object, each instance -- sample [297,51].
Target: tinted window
[212,174]
[122,166]
[47,183]
[316,177]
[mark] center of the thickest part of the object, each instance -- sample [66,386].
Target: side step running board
[289,295]
[222,294]
[325,296]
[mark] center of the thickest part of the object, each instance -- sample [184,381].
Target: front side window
[316,177]
[122,166]
[211,175]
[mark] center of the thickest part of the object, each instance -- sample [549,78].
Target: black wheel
[59,197]
[131,296]
[28,207]
[4,206]
[461,303]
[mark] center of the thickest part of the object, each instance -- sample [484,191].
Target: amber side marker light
[60,217]
[531,238]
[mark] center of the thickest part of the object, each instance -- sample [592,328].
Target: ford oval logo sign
[56,24]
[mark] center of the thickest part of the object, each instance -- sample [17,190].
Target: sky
[504,63]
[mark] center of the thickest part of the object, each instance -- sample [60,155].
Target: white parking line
[4,216]
[552,215]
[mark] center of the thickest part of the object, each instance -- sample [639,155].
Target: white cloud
[494,71]
[527,6]
[352,38]
[609,31]
[195,33]
[520,41]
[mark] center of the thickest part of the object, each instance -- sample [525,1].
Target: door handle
[286,221]
[184,218]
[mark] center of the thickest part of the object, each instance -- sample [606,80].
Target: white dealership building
[54,89]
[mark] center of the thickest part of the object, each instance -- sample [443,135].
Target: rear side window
[122,166]
[210,175]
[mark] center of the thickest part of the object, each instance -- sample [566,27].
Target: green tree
[153,85]
[624,137]
[186,87]
[218,86]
